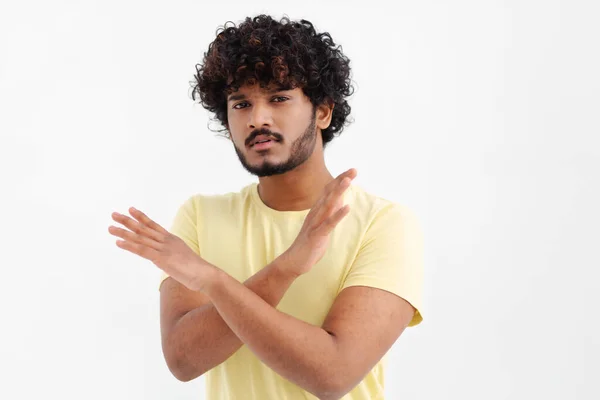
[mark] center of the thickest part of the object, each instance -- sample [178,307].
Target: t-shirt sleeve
[391,257]
[184,226]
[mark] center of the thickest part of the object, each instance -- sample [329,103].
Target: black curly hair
[265,51]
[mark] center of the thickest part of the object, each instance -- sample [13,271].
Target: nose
[259,116]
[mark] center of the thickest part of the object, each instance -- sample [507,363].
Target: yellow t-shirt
[378,244]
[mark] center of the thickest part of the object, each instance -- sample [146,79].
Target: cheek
[235,131]
[237,140]
[235,119]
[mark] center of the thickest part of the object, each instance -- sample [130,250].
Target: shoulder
[218,202]
[375,210]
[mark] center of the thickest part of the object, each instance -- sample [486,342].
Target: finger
[341,188]
[350,173]
[144,219]
[322,208]
[138,227]
[332,200]
[335,197]
[134,237]
[327,226]
[138,249]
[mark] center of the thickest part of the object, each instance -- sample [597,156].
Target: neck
[298,189]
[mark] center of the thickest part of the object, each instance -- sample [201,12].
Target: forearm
[302,353]
[201,340]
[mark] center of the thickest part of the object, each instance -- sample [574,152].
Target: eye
[243,103]
[280,99]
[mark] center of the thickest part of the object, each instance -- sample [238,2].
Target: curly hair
[288,53]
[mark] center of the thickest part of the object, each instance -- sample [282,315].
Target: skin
[206,315]
[299,188]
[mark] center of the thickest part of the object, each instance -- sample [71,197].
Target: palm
[313,240]
[151,241]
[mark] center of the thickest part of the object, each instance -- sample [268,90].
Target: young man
[297,286]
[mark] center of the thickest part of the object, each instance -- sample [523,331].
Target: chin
[265,165]
[259,160]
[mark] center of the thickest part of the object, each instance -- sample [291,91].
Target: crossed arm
[206,315]
[195,338]
[327,361]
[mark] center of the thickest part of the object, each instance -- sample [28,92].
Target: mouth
[262,142]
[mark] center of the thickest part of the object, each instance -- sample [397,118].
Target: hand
[311,243]
[168,252]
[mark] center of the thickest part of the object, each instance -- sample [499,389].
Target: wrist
[207,277]
[290,264]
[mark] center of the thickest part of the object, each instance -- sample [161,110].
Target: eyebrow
[242,96]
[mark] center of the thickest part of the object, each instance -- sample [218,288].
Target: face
[274,131]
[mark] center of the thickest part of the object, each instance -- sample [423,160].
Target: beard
[301,150]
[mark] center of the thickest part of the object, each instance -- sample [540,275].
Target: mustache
[263,131]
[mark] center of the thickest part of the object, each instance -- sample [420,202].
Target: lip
[263,145]
[270,140]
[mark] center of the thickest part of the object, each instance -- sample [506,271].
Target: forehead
[255,90]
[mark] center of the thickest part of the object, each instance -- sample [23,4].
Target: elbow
[338,381]
[334,379]
[334,387]
[328,396]
[180,368]
[331,392]
[182,375]
[182,371]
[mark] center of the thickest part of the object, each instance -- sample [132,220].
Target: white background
[482,116]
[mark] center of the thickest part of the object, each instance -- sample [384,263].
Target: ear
[324,114]
[227,131]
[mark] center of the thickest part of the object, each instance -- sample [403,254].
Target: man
[297,286]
